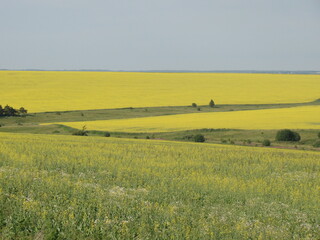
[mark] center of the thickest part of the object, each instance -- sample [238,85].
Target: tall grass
[68,187]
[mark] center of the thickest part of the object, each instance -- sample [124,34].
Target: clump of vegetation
[199,109]
[194,105]
[199,138]
[147,137]
[107,134]
[266,143]
[288,135]
[195,138]
[9,111]
[211,103]
[56,131]
[316,144]
[82,132]
[318,134]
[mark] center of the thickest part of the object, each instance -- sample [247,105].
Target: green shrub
[147,137]
[9,111]
[316,144]
[107,134]
[266,142]
[199,138]
[318,134]
[287,135]
[211,103]
[194,105]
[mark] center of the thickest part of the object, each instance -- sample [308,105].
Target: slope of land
[307,117]
[105,188]
[63,91]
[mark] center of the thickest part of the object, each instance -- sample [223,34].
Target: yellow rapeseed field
[307,117]
[58,91]
[69,187]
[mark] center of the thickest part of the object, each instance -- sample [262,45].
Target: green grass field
[31,124]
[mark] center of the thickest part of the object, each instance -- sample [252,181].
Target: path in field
[307,117]
[62,91]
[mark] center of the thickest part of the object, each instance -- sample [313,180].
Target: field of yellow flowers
[307,117]
[43,91]
[69,187]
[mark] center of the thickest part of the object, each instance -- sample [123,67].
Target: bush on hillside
[266,142]
[199,138]
[287,135]
[211,103]
[9,111]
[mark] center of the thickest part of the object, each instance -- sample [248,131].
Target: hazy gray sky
[162,34]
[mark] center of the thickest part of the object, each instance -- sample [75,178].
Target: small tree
[211,103]
[107,134]
[82,132]
[1,111]
[23,111]
[287,135]
[194,105]
[9,111]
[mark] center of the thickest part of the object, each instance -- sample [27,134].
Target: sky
[135,35]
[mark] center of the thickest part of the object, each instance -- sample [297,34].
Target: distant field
[307,117]
[68,187]
[63,91]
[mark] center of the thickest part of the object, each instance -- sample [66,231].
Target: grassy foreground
[67,187]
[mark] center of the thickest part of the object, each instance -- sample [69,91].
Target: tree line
[9,111]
